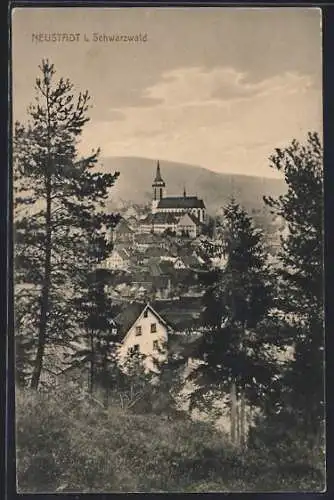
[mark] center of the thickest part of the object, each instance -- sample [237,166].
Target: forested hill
[137,174]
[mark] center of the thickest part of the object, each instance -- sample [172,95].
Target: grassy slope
[71,446]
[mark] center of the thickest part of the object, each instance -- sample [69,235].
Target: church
[182,215]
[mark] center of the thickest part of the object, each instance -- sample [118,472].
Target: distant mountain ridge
[216,189]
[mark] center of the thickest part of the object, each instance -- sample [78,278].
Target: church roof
[181,202]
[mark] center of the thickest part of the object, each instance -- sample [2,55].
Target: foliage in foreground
[67,444]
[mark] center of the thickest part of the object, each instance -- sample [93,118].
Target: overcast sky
[220,88]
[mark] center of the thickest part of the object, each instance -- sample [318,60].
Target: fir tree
[97,333]
[58,199]
[301,279]
[236,300]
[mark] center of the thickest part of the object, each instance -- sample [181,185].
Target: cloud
[196,85]
[215,118]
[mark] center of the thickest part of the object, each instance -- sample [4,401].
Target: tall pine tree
[58,199]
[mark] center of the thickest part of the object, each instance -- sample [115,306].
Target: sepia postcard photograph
[167,168]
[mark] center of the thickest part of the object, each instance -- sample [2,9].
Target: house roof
[123,227]
[166,266]
[190,260]
[191,216]
[121,252]
[181,202]
[159,218]
[155,269]
[161,282]
[126,318]
[180,314]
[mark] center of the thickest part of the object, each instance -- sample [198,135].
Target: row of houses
[122,258]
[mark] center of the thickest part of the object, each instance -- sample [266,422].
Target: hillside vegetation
[70,444]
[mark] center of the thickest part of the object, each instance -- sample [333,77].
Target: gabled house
[119,259]
[123,233]
[186,262]
[143,330]
[179,263]
[188,225]
[158,223]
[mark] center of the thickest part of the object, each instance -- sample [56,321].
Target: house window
[153,327]
[138,330]
[145,313]
[155,345]
[135,348]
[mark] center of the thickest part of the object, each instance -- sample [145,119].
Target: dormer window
[145,313]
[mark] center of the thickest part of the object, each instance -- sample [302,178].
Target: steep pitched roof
[191,216]
[181,202]
[131,313]
[128,316]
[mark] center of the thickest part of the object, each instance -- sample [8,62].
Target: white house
[179,264]
[117,260]
[188,225]
[144,331]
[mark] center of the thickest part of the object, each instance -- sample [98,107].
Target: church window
[160,193]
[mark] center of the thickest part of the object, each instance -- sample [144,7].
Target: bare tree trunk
[237,441]
[92,363]
[242,420]
[38,363]
[233,414]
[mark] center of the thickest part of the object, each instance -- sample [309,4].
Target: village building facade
[181,215]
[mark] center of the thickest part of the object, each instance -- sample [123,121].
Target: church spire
[158,177]
[184,192]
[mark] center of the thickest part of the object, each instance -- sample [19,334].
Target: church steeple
[158,188]
[158,177]
[184,192]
